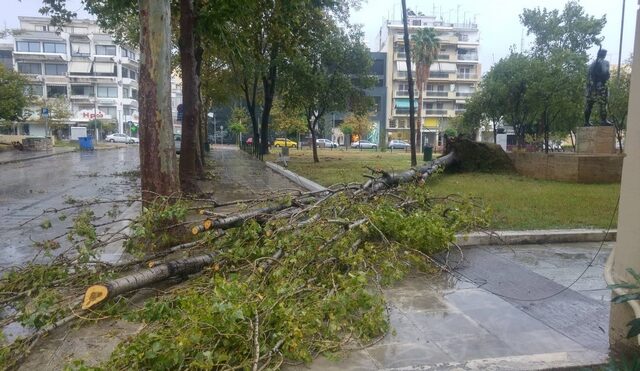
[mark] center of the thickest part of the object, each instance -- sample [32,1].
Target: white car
[364,144]
[121,138]
[399,144]
[326,143]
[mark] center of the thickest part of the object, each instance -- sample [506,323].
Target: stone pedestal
[596,140]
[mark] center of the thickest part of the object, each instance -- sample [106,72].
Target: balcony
[400,75]
[436,112]
[432,93]
[460,110]
[467,76]
[443,57]
[468,57]
[401,55]
[438,75]
[402,93]
[464,94]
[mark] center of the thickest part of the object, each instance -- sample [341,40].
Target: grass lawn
[516,202]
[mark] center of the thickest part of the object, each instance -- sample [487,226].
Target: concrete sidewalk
[501,309]
[13,156]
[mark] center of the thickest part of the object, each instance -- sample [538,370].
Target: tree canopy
[12,95]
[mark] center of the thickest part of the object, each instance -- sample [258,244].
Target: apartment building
[452,78]
[80,65]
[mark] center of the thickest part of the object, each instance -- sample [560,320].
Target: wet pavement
[501,309]
[27,188]
[239,176]
[11,155]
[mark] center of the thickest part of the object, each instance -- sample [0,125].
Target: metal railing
[467,76]
[467,57]
[432,93]
[439,75]
[436,112]
[252,150]
[464,94]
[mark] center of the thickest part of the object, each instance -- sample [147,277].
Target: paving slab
[492,313]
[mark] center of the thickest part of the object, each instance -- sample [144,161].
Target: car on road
[121,138]
[177,141]
[326,143]
[283,142]
[364,144]
[398,144]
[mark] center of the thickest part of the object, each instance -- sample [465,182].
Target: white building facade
[81,66]
[453,77]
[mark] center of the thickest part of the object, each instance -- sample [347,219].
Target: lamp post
[221,130]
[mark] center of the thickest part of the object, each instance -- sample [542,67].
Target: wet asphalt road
[27,188]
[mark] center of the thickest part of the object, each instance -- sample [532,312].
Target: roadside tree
[619,102]
[425,48]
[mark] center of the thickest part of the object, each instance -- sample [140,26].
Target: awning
[431,122]
[79,67]
[103,67]
[404,103]
[443,67]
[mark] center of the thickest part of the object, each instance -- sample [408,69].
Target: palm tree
[425,51]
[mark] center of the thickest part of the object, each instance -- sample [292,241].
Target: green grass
[516,202]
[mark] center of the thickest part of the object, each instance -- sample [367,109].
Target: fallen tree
[318,253]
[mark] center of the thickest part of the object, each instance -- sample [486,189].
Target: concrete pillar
[627,250]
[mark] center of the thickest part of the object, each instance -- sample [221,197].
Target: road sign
[44,112]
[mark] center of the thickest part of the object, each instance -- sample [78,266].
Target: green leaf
[625,298]
[635,328]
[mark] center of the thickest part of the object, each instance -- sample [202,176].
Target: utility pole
[620,47]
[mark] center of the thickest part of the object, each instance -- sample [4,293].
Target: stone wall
[569,167]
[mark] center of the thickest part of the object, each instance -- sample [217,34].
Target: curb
[113,252]
[299,180]
[36,157]
[535,237]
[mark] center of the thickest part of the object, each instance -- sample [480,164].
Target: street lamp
[221,130]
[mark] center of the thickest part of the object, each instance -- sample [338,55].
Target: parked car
[121,138]
[364,144]
[326,143]
[398,144]
[177,141]
[249,141]
[283,142]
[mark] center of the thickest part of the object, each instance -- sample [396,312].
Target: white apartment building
[83,66]
[453,77]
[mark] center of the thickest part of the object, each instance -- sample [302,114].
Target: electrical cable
[604,239]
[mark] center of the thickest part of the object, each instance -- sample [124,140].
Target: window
[107,91]
[28,46]
[126,93]
[84,90]
[132,74]
[105,49]
[56,91]
[30,68]
[55,69]
[380,83]
[416,22]
[134,94]
[376,104]
[392,124]
[109,110]
[126,53]
[378,67]
[125,72]
[33,90]
[6,59]
[80,50]
[55,48]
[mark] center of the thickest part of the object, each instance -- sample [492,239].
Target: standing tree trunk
[158,163]
[269,85]
[202,121]
[190,143]
[312,124]
[412,121]
[422,75]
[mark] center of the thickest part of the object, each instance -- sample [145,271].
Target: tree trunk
[202,121]
[546,130]
[269,84]
[412,121]
[311,124]
[158,163]
[190,143]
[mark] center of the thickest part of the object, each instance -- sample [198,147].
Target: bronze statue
[597,90]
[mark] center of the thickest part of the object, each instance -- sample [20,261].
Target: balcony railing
[402,93]
[460,110]
[444,57]
[401,55]
[400,75]
[439,75]
[467,57]
[431,93]
[436,111]
[467,76]
[464,94]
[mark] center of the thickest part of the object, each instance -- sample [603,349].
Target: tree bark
[158,163]
[412,121]
[311,124]
[269,86]
[190,143]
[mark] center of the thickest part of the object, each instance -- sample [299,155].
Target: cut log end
[208,223]
[95,294]
[202,212]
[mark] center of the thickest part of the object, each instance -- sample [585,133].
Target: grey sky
[497,19]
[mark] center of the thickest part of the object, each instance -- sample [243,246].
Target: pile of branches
[275,280]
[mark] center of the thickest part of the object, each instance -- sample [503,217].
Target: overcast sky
[497,20]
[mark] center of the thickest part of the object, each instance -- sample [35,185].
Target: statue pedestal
[596,140]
